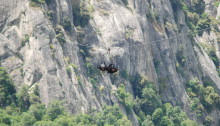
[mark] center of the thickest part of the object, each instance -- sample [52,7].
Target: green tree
[54,110]
[125,98]
[84,120]
[60,37]
[36,3]
[27,119]
[111,115]
[177,4]
[150,100]
[174,113]
[65,120]
[81,15]
[165,121]
[23,98]
[157,116]
[66,23]
[189,122]
[208,98]
[123,122]
[4,118]
[36,90]
[138,110]
[138,85]
[3,124]
[208,121]
[203,23]
[148,121]
[38,110]
[7,89]
[45,123]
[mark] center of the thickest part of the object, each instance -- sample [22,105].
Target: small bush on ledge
[36,3]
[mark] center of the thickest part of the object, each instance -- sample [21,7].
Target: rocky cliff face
[145,36]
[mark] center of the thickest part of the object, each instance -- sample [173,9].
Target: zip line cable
[157,40]
[173,37]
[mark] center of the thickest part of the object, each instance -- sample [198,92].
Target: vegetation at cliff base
[141,99]
[7,89]
[23,108]
[149,108]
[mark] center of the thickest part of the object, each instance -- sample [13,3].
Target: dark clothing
[111,69]
[102,67]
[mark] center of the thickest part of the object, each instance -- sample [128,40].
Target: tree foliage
[66,23]
[125,98]
[81,15]
[7,89]
[202,98]
[147,98]
[147,105]
[54,110]
[23,98]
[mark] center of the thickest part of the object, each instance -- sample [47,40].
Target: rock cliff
[58,44]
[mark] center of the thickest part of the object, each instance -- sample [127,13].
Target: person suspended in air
[102,66]
[111,68]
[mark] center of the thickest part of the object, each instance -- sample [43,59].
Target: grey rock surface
[135,43]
